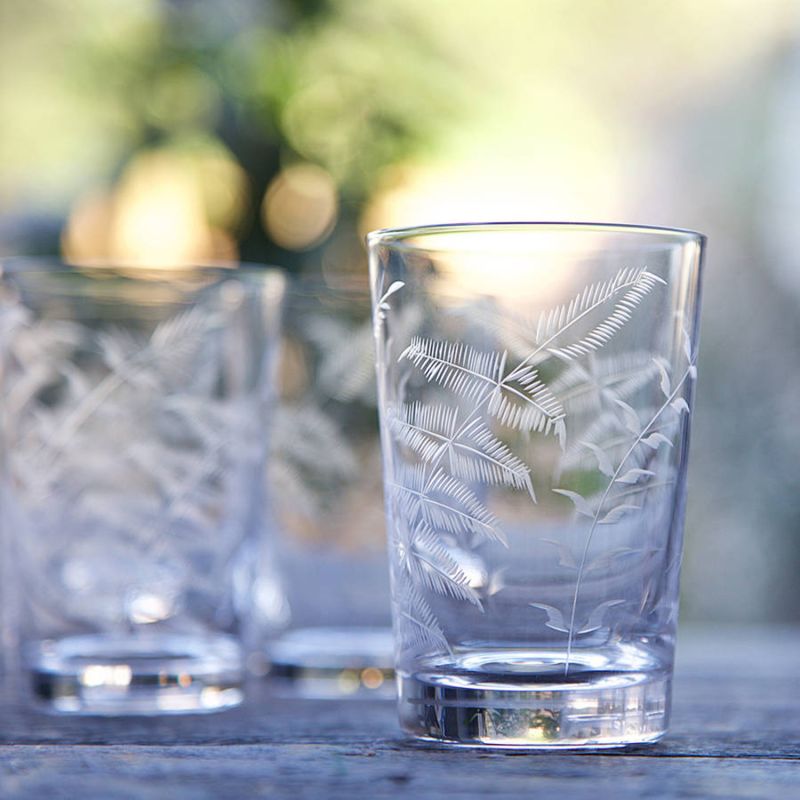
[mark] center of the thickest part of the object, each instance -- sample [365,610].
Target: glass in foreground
[535,386]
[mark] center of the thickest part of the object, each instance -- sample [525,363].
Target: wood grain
[735,734]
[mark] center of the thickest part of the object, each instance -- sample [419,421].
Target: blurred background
[168,131]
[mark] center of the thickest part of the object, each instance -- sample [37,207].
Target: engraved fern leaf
[444,504]
[347,369]
[521,400]
[556,621]
[637,284]
[530,338]
[581,388]
[420,630]
[612,505]
[525,403]
[607,438]
[430,563]
[301,432]
[475,455]
[480,457]
[424,428]
[456,366]
[167,353]
[455,443]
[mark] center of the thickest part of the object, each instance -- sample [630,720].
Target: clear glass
[330,541]
[535,386]
[134,441]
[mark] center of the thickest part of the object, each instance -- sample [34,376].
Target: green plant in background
[227,97]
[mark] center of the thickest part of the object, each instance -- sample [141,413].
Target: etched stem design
[552,325]
[615,477]
[445,448]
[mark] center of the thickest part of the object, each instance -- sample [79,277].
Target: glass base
[524,700]
[144,675]
[333,662]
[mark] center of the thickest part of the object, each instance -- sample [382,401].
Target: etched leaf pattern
[339,358]
[448,448]
[444,503]
[73,397]
[429,562]
[635,284]
[419,628]
[584,387]
[475,453]
[629,479]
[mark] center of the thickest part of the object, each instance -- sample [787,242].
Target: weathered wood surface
[735,734]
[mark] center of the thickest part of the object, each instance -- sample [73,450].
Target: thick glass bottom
[332,662]
[523,699]
[119,675]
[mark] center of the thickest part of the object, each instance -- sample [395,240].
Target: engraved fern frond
[612,506]
[166,354]
[455,443]
[444,504]
[607,438]
[424,428]
[597,445]
[456,366]
[431,564]
[301,433]
[347,368]
[420,630]
[583,387]
[520,400]
[480,457]
[636,284]
[524,402]
[475,455]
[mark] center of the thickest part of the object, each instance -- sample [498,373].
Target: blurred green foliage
[352,87]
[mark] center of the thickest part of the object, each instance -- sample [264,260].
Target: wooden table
[735,734]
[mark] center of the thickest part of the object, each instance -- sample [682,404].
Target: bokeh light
[300,206]
[170,207]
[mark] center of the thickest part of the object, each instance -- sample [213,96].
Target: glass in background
[134,441]
[333,612]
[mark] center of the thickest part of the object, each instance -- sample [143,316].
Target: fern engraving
[129,512]
[446,451]
[444,503]
[419,628]
[556,622]
[585,387]
[629,478]
[475,454]
[422,555]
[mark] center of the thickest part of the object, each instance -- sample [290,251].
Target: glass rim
[51,263]
[178,277]
[397,237]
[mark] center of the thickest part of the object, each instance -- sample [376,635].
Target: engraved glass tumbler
[134,447]
[535,427]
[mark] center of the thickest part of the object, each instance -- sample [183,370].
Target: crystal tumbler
[535,431]
[134,441]
[329,530]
